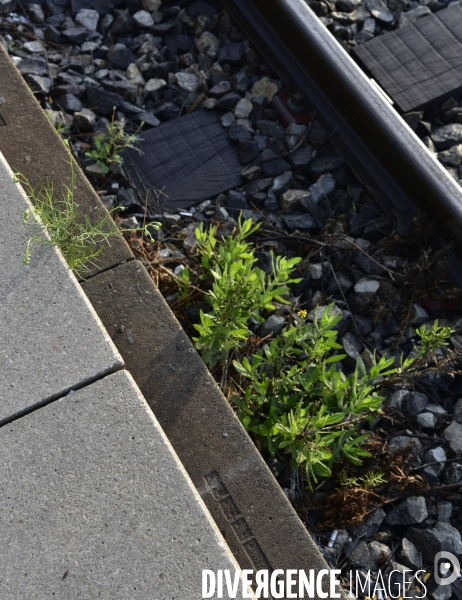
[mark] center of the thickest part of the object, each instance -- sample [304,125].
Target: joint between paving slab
[60,395]
[109,268]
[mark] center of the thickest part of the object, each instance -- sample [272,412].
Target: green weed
[109,144]
[240,290]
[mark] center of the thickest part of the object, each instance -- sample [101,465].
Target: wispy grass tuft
[57,221]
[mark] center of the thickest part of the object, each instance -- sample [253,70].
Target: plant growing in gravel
[80,240]
[109,144]
[297,401]
[370,479]
[240,290]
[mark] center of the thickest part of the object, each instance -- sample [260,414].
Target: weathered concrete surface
[95,504]
[247,503]
[51,339]
[31,146]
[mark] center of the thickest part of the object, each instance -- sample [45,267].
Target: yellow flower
[302,313]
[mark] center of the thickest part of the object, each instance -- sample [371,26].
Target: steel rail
[375,141]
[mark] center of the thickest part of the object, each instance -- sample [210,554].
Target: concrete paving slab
[51,339]
[95,504]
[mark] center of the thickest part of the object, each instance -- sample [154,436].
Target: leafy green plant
[239,291]
[297,401]
[109,144]
[295,397]
[58,222]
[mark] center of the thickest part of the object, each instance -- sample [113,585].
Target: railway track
[393,166]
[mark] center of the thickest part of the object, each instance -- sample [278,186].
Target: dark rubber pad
[420,64]
[185,161]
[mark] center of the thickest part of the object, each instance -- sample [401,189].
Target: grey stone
[420,315]
[151,5]
[231,53]
[410,512]
[437,410]
[415,402]
[317,270]
[304,222]
[243,109]
[352,345]
[95,170]
[359,555]
[441,592]
[239,133]
[69,103]
[396,399]
[272,326]
[39,83]
[362,324]
[35,46]
[264,88]
[409,555]
[444,509]
[458,411]
[341,281]
[35,12]
[412,15]
[413,119]
[379,552]
[85,120]
[77,35]
[126,89]
[95,498]
[370,525]
[400,443]
[447,136]
[291,198]
[367,287]
[134,74]
[347,5]
[301,157]
[443,537]
[427,420]
[33,66]
[264,261]
[369,26]
[228,119]
[220,89]
[228,101]
[88,18]
[153,85]
[436,455]
[143,19]
[322,188]
[360,14]
[326,162]
[187,81]
[50,338]
[208,44]
[120,56]
[453,474]
[453,434]
[269,128]
[282,183]
[380,11]
[451,157]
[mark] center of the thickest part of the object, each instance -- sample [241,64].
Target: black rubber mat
[185,161]
[420,64]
